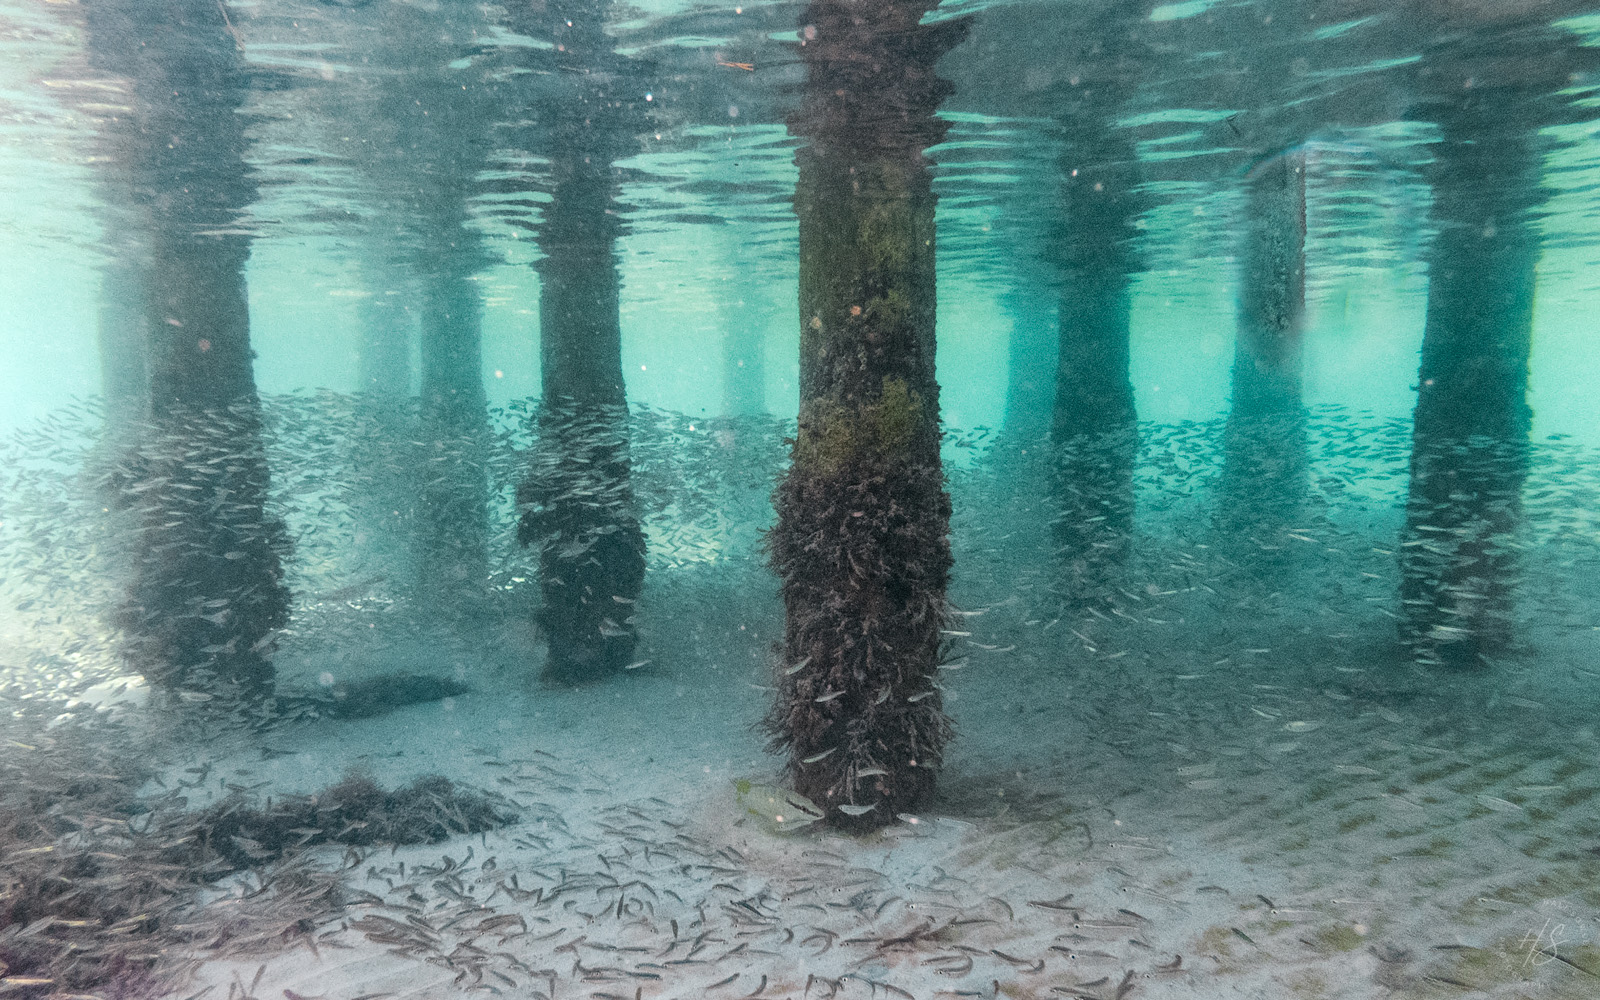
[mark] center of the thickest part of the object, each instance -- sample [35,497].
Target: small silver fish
[1498,804]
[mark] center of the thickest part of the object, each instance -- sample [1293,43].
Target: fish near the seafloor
[786,810]
[827,937]
[1131,888]
[1126,986]
[1102,925]
[962,965]
[352,591]
[1073,954]
[1021,963]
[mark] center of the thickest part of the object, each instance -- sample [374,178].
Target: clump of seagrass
[102,890]
[354,812]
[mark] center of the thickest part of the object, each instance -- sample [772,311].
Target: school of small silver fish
[1181,612]
[61,546]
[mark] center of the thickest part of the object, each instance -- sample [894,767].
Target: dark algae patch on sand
[102,890]
[355,812]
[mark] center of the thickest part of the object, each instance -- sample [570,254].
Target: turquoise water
[1367,203]
[562,398]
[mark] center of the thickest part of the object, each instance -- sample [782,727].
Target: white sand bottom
[1208,837]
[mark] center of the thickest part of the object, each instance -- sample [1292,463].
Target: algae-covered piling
[206,591]
[577,499]
[450,529]
[1470,429]
[861,543]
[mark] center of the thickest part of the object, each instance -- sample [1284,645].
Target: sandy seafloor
[1253,830]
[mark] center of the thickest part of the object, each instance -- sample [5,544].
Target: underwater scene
[799,500]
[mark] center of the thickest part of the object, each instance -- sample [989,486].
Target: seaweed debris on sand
[100,887]
[354,812]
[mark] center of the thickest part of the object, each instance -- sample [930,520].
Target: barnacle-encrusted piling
[861,543]
[1470,429]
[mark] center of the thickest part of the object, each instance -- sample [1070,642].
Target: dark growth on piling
[861,543]
[577,499]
